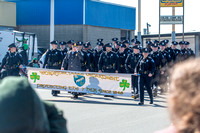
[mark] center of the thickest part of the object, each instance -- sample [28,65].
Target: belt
[122,66]
[108,67]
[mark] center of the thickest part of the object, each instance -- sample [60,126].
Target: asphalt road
[97,114]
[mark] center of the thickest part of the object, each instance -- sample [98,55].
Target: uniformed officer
[70,43]
[86,47]
[190,52]
[116,44]
[108,61]
[176,50]
[122,58]
[133,41]
[146,69]
[11,62]
[131,64]
[169,50]
[73,59]
[53,60]
[97,52]
[182,55]
[100,40]
[127,50]
[63,49]
[157,57]
[148,45]
[165,63]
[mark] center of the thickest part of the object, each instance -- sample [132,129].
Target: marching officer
[70,43]
[127,50]
[11,62]
[182,55]
[89,54]
[131,64]
[122,58]
[190,52]
[157,57]
[146,69]
[53,60]
[73,61]
[63,49]
[176,51]
[169,50]
[97,52]
[116,44]
[148,45]
[108,61]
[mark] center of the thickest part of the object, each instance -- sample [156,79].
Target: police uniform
[176,51]
[73,60]
[170,51]
[131,64]
[145,67]
[190,52]
[183,53]
[96,56]
[11,63]
[108,62]
[127,50]
[157,57]
[166,56]
[89,54]
[64,51]
[115,40]
[70,42]
[148,45]
[53,60]
[122,58]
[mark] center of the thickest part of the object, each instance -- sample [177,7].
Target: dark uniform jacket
[73,61]
[63,53]
[166,58]
[146,66]
[85,63]
[128,51]
[108,62]
[96,56]
[11,61]
[132,61]
[122,60]
[157,57]
[53,59]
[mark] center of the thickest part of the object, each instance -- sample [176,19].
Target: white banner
[92,83]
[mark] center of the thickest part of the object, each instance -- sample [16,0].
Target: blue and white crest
[79,80]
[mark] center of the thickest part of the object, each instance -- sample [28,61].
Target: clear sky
[150,14]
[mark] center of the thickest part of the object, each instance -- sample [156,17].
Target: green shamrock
[35,77]
[124,84]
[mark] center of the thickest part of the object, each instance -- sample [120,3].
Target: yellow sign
[171,3]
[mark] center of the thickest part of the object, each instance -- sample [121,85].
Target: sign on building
[171,19]
[171,3]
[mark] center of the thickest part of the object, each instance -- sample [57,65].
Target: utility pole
[173,26]
[139,21]
[52,22]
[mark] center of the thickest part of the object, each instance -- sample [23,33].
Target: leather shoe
[140,103]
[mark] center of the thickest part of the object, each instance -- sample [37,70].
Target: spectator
[21,110]
[184,98]
[34,63]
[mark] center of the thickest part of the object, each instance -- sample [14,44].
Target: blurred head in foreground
[184,97]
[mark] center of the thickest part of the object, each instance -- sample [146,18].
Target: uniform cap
[182,42]
[155,45]
[70,42]
[54,42]
[99,40]
[136,47]
[166,41]
[79,43]
[126,41]
[187,43]
[63,43]
[162,43]
[12,45]
[100,44]
[145,50]
[115,39]
[122,45]
[175,43]
[108,45]
[137,42]
[149,43]
[155,41]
